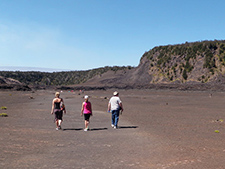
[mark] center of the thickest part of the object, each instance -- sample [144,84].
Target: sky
[68,35]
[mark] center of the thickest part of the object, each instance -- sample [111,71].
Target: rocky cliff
[12,84]
[200,62]
[189,63]
[192,65]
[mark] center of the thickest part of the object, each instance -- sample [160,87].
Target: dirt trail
[29,139]
[158,130]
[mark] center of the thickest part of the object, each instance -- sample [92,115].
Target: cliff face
[9,81]
[138,76]
[198,62]
[189,63]
[12,84]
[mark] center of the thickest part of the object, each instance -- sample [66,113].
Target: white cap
[86,97]
[115,93]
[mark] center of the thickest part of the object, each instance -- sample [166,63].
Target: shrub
[3,115]
[185,76]
[4,108]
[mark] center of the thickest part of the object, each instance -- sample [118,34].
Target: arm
[52,107]
[82,109]
[121,105]
[109,107]
[63,106]
[91,110]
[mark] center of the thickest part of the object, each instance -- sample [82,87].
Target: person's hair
[57,94]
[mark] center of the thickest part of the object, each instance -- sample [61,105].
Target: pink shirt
[87,108]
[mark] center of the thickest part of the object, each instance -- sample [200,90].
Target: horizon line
[27,69]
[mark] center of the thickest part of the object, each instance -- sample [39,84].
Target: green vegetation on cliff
[187,61]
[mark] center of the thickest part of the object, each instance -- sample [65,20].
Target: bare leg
[57,124]
[60,122]
[86,123]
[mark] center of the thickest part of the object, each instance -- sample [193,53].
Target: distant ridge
[194,65]
[58,78]
[188,63]
[12,84]
[38,69]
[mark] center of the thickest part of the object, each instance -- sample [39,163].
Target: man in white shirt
[115,106]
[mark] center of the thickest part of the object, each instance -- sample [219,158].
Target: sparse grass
[4,108]
[3,115]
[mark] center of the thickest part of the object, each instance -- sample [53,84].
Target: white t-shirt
[115,101]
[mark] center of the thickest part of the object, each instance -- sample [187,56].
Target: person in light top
[86,110]
[115,106]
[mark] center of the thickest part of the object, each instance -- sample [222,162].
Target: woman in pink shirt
[87,111]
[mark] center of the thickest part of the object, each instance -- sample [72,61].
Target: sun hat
[115,93]
[86,97]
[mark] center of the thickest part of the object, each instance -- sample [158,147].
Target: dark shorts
[58,114]
[87,116]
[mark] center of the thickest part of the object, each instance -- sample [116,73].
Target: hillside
[188,65]
[190,62]
[185,64]
[12,84]
[58,78]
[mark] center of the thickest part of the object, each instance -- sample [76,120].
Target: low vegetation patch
[4,108]
[3,115]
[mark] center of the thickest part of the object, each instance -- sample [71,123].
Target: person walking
[115,106]
[86,110]
[58,107]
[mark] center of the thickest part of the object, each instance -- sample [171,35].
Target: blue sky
[86,34]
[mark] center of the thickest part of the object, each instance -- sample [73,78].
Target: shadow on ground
[97,129]
[94,129]
[127,127]
[78,129]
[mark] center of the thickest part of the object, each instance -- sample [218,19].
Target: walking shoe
[57,128]
[115,127]
[112,125]
[86,129]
